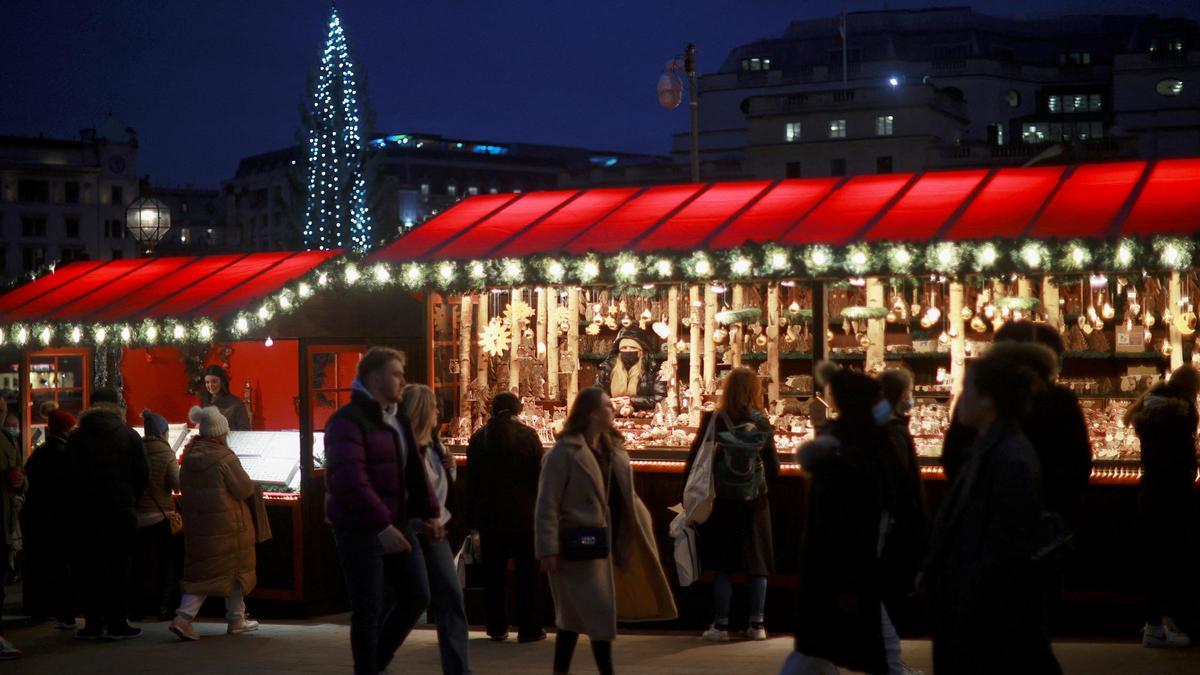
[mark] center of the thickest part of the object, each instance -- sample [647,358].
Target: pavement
[322,646]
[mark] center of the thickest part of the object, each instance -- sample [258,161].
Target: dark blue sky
[205,83]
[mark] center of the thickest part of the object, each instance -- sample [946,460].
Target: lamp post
[147,220]
[670,95]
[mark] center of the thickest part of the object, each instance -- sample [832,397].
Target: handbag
[687,556]
[467,562]
[174,519]
[586,543]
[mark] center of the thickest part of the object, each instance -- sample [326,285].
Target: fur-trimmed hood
[1159,405]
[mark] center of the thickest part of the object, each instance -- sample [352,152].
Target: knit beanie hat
[60,422]
[154,424]
[211,422]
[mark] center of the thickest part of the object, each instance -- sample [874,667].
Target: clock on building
[116,164]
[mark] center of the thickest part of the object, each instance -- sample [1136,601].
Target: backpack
[739,474]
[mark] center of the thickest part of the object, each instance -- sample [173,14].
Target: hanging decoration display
[494,339]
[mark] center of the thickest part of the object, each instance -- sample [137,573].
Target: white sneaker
[906,670]
[759,633]
[244,625]
[1164,637]
[714,634]
[8,651]
[183,629]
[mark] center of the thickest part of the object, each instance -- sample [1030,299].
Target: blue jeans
[446,601]
[377,630]
[723,597]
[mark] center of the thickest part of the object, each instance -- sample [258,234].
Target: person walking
[983,577]
[219,557]
[736,537]
[840,619]
[155,539]
[49,588]
[445,594]
[504,460]
[594,537]
[1164,419]
[109,473]
[216,393]
[12,487]
[375,489]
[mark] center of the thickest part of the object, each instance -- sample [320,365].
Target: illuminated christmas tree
[336,213]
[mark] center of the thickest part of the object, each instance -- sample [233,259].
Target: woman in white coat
[586,487]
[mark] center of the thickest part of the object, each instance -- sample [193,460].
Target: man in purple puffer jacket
[377,498]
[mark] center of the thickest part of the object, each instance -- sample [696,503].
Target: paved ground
[322,646]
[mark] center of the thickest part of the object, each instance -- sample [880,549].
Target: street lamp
[147,220]
[670,95]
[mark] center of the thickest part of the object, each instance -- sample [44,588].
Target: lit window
[756,63]
[791,132]
[1095,103]
[837,128]
[1169,87]
[492,190]
[1054,104]
[1080,103]
[1097,129]
[472,190]
[883,125]
[452,190]
[1033,132]
[424,189]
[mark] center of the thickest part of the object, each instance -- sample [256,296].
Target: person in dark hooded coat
[631,371]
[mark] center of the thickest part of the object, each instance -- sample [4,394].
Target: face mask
[629,358]
[12,431]
[882,411]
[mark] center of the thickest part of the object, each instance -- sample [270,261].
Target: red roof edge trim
[199,311]
[1037,215]
[532,224]
[966,204]
[1118,221]
[148,308]
[808,212]
[738,214]
[638,193]
[887,206]
[670,214]
[445,242]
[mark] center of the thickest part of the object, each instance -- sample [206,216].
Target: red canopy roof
[1089,201]
[131,290]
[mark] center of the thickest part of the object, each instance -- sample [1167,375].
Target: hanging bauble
[626,321]
[967,313]
[681,345]
[1185,323]
[1148,320]
[611,322]
[997,322]
[1167,315]
[597,319]
[978,324]
[761,340]
[794,307]
[934,314]
[944,338]
[719,335]
[1107,311]
[891,317]
[1166,347]
[915,309]
[989,310]
[864,341]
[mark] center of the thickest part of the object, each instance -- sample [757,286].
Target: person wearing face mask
[630,373]
[216,394]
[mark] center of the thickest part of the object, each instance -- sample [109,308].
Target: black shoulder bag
[587,543]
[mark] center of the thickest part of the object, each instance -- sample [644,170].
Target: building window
[183,235]
[71,192]
[996,134]
[1076,58]
[792,169]
[117,195]
[791,132]
[1095,103]
[72,227]
[472,190]
[33,257]
[424,189]
[33,191]
[837,167]
[452,190]
[883,125]
[883,164]
[114,229]
[1054,104]
[837,129]
[70,254]
[492,190]
[1034,132]
[756,63]
[33,226]
[1169,87]
[183,207]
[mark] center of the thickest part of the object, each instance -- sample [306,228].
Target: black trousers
[49,587]
[498,548]
[158,556]
[108,548]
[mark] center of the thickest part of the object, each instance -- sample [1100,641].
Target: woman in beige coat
[587,481]
[218,527]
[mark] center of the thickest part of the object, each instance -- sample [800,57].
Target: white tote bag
[698,492]
[687,556]
[467,555]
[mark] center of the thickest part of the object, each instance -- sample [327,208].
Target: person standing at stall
[504,459]
[12,484]
[1165,419]
[445,594]
[219,556]
[375,486]
[594,537]
[216,393]
[155,540]
[109,473]
[49,588]
[736,537]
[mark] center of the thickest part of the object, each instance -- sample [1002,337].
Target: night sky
[205,83]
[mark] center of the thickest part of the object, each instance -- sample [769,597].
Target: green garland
[744,315]
[858,312]
[1015,302]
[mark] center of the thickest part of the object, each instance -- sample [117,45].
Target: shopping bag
[687,556]
[468,560]
[699,490]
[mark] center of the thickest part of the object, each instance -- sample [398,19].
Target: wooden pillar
[710,346]
[464,355]
[552,343]
[737,331]
[1024,287]
[695,356]
[539,338]
[875,327]
[1050,301]
[673,349]
[514,345]
[958,343]
[1174,337]
[820,324]
[573,344]
[482,360]
[773,341]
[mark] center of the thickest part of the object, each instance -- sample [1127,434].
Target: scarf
[625,382]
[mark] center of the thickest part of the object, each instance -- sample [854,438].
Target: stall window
[58,376]
[331,373]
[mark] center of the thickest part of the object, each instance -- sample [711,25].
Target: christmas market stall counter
[286,331]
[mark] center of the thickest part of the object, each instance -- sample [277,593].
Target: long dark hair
[587,402]
[862,440]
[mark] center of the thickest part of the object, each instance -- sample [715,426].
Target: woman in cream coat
[587,481]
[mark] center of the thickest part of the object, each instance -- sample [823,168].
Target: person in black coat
[630,373]
[109,473]
[1165,419]
[839,610]
[982,577]
[504,460]
[49,590]
[736,538]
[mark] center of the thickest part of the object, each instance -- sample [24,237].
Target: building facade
[948,87]
[197,222]
[63,200]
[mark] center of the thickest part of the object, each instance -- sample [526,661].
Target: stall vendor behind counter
[216,393]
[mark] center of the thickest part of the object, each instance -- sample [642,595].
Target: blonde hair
[741,393]
[420,407]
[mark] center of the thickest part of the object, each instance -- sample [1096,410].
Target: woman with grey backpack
[736,536]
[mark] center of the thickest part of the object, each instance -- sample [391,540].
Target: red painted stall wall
[156,379]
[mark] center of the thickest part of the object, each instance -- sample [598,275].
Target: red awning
[1093,201]
[131,290]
